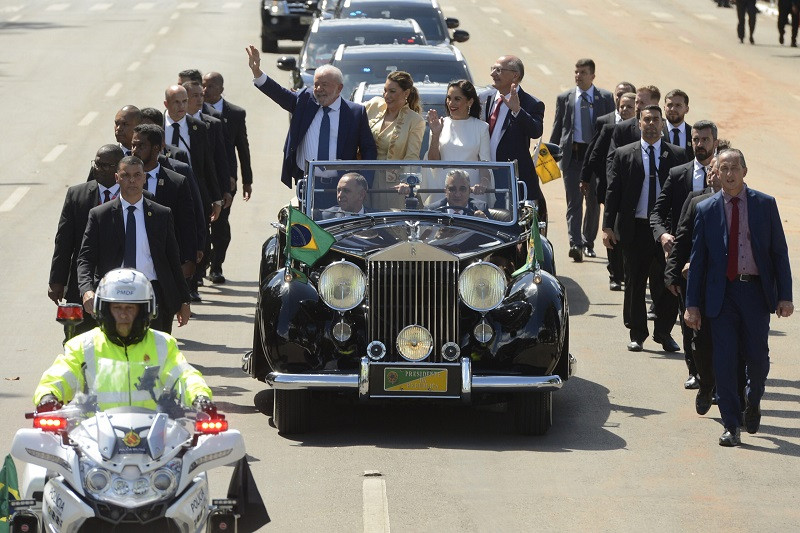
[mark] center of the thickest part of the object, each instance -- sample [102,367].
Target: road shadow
[234,371]
[188,345]
[580,414]
[21,27]
[216,317]
[578,301]
[778,382]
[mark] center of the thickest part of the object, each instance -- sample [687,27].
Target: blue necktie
[129,261]
[324,136]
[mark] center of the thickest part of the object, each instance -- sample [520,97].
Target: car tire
[562,367]
[533,412]
[269,44]
[291,411]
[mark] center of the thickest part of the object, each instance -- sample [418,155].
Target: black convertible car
[398,297]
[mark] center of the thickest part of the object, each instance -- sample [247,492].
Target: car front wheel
[533,412]
[291,411]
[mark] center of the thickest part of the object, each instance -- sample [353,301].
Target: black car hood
[461,240]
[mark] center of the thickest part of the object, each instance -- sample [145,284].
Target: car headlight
[278,7]
[342,285]
[482,286]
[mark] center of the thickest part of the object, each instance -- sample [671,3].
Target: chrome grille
[401,293]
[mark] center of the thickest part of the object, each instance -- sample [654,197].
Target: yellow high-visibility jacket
[112,371]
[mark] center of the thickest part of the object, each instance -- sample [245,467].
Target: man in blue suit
[739,274]
[324,126]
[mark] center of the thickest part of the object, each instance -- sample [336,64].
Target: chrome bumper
[469,383]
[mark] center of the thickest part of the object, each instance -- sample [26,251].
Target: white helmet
[124,285]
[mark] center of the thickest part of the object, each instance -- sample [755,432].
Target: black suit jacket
[625,185]
[664,218]
[355,138]
[682,247]
[688,148]
[594,162]
[216,136]
[172,190]
[235,118]
[202,158]
[80,199]
[201,217]
[173,152]
[103,249]
[517,132]
[227,137]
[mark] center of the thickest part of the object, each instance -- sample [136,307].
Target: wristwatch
[218,202]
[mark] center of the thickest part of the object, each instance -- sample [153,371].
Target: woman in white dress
[460,136]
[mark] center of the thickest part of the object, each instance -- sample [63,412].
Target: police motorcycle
[125,468]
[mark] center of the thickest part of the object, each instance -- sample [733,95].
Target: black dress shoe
[752,41]
[692,382]
[752,418]
[576,253]
[667,343]
[588,251]
[216,277]
[731,438]
[195,296]
[703,401]
[614,285]
[634,346]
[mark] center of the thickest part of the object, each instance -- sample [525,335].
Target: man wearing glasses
[515,117]
[457,200]
[100,188]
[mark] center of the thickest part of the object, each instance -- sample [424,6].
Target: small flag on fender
[546,167]
[9,490]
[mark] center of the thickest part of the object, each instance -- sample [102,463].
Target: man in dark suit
[313,134]
[132,231]
[151,115]
[351,192]
[593,171]
[627,131]
[638,173]
[664,218]
[573,129]
[125,120]
[676,130]
[515,118]
[456,197]
[170,189]
[739,272]
[80,199]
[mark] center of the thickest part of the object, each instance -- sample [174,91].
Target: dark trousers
[642,254]
[616,264]
[785,8]
[220,240]
[742,327]
[687,334]
[703,355]
[746,7]
[163,319]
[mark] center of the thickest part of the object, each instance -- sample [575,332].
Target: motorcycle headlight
[482,286]
[97,479]
[342,285]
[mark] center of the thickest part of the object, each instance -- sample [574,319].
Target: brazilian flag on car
[305,240]
[535,251]
[9,490]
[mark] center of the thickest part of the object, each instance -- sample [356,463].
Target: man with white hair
[324,126]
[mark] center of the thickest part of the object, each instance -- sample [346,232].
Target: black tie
[586,118]
[676,138]
[129,261]
[324,136]
[176,133]
[705,177]
[107,195]
[651,194]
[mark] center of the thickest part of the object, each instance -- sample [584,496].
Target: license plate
[414,379]
[307,21]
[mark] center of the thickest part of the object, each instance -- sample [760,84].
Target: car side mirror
[460,36]
[452,23]
[287,63]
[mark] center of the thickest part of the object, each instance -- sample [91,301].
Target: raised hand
[512,101]
[254,60]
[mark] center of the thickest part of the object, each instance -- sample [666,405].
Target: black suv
[282,19]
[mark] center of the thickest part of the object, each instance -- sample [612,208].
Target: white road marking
[658,26]
[490,9]
[535,11]
[53,154]
[149,48]
[144,6]
[576,12]
[134,66]
[508,33]
[231,5]
[716,55]
[376,506]
[15,18]
[187,5]
[11,9]
[100,7]
[175,16]
[495,20]
[56,7]
[163,30]
[662,15]
[90,116]
[14,198]
[705,16]
[114,89]
[684,39]
[796,97]
[546,71]
[525,50]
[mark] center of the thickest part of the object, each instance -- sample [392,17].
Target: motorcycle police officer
[110,360]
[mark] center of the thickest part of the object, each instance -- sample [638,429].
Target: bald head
[506,71]
[125,120]
[213,85]
[176,101]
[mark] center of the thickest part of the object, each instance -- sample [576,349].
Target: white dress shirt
[577,131]
[113,191]
[497,133]
[309,146]
[218,105]
[144,261]
[641,207]
[152,179]
[184,132]
[698,177]
[681,133]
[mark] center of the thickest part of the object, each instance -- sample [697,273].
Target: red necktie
[494,115]
[733,241]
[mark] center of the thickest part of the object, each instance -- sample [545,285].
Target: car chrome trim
[279,380]
[516,383]
[363,379]
[573,365]
[466,379]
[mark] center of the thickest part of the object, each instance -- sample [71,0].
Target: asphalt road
[626,452]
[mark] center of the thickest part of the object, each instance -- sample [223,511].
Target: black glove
[48,403]
[204,404]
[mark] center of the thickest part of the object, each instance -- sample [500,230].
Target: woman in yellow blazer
[398,129]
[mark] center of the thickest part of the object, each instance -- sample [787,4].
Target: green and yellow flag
[535,251]
[9,489]
[305,240]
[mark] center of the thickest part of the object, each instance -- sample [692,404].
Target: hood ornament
[413,230]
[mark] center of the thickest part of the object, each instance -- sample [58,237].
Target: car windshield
[375,71]
[341,190]
[321,45]
[428,18]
